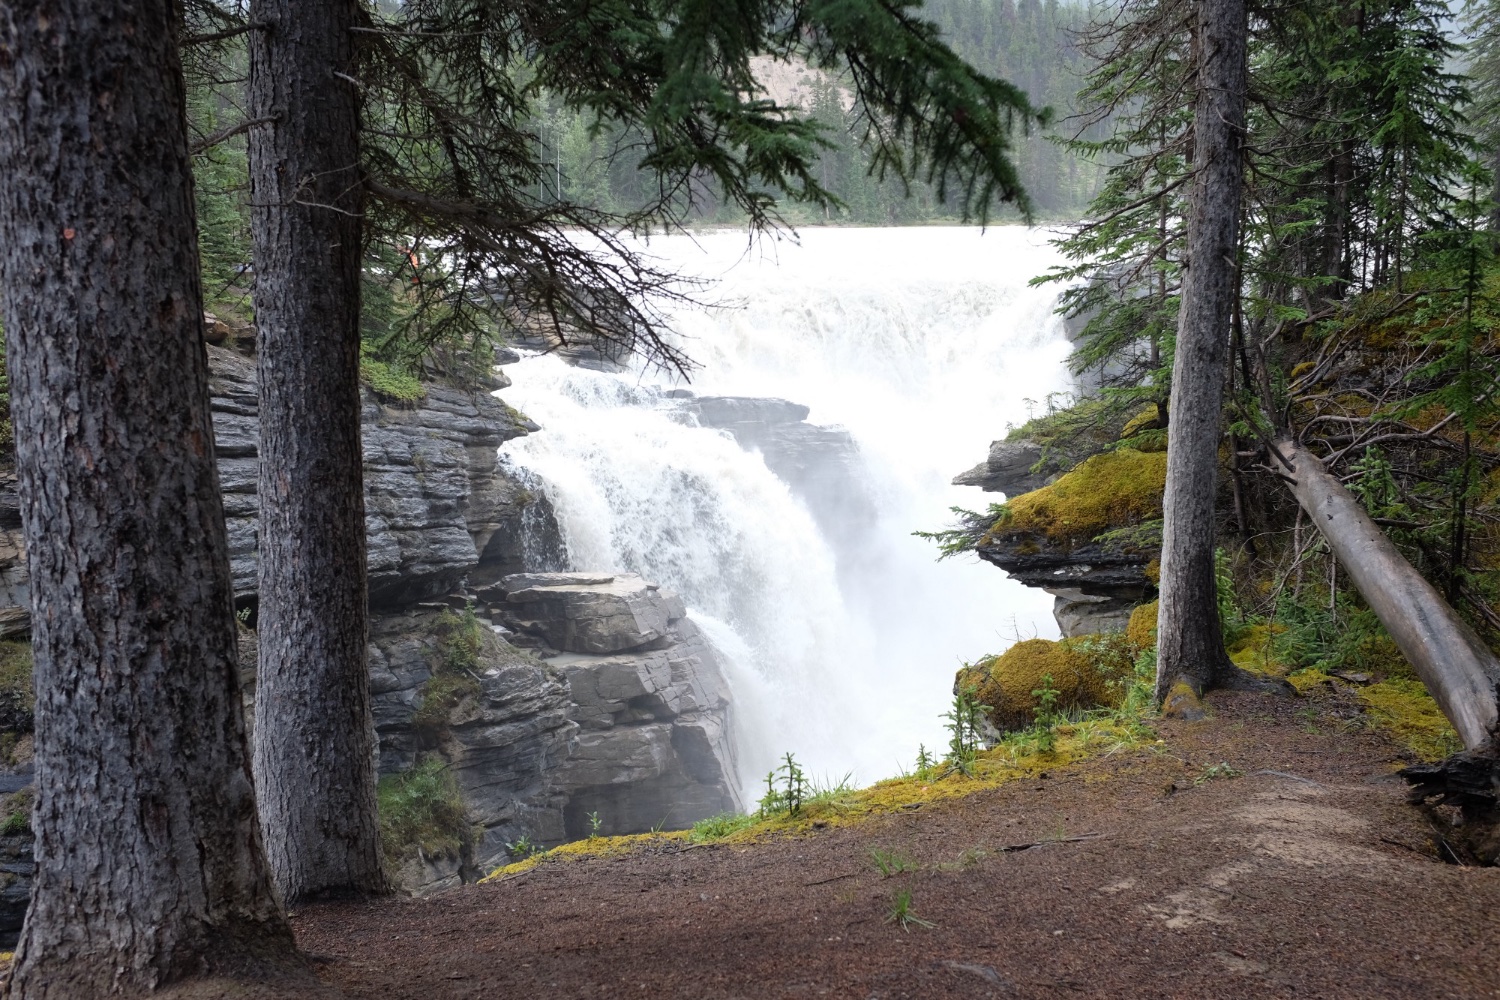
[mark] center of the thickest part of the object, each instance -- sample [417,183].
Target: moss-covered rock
[1087,672]
[422,812]
[1111,490]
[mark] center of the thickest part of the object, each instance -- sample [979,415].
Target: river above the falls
[840,631]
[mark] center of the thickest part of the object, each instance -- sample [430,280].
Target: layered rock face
[433,500]
[650,699]
[630,721]
[504,738]
[1095,584]
[1008,469]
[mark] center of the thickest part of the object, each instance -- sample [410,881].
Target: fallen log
[1459,670]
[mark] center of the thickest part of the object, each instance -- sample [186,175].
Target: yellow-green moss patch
[1141,630]
[1403,708]
[1086,672]
[1074,743]
[1111,490]
[1254,650]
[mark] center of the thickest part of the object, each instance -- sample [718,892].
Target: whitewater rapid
[924,343]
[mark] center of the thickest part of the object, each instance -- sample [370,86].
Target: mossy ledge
[1112,490]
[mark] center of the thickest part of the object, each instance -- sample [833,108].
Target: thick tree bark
[1190,647]
[1459,670]
[314,734]
[149,859]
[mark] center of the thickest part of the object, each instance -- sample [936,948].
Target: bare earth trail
[1317,881]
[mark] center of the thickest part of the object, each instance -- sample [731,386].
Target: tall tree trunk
[1190,648]
[149,859]
[1458,668]
[314,734]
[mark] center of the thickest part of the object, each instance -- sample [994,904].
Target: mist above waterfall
[840,631]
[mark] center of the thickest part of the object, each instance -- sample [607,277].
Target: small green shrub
[391,381]
[901,913]
[786,788]
[522,848]
[423,809]
[460,639]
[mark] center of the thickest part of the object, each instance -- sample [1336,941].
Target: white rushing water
[924,343]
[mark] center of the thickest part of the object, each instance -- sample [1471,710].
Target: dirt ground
[1305,876]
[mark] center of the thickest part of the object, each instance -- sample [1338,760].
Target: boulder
[588,613]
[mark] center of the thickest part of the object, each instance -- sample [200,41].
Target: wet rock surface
[433,497]
[649,697]
[1095,585]
[819,463]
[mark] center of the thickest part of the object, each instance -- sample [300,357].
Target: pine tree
[149,862]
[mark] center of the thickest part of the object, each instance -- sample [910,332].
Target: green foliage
[786,789]
[890,863]
[460,639]
[16,676]
[391,381]
[522,848]
[901,913]
[1216,772]
[423,810]
[17,813]
[964,722]
[594,824]
[926,763]
[1046,714]
[720,826]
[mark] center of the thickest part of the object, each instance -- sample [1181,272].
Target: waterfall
[923,343]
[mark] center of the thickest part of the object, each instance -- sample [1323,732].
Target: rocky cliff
[1097,575]
[535,735]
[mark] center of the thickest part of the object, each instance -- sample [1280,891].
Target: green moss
[1147,419]
[460,636]
[1107,491]
[390,381]
[1254,651]
[1403,708]
[1086,671]
[1008,762]
[422,809]
[16,812]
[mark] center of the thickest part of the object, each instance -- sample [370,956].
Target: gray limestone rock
[433,501]
[1008,469]
[649,695]
[1096,584]
[588,613]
